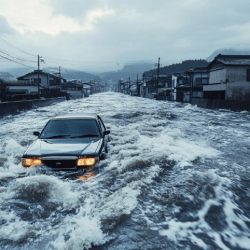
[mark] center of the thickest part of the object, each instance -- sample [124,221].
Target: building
[86,89]
[21,90]
[48,85]
[198,77]
[190,84]
[183,88]
[154,86]
[73,88]
[229,78]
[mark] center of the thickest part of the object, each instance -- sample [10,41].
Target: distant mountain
[66,73]
[129,70]
[70,74]
[227,52]
[6,76]
[178,67]
[18,71]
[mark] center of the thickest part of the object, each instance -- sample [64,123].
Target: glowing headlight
[29,162]
[86,161]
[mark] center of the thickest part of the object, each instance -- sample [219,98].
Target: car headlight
[29,162]
[86,162]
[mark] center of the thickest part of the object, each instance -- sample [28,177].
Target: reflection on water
[88,176]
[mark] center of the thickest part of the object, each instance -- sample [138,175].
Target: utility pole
[38,62]
[137,85]
[158,73]
[60,72]
[60,78]
[128,92]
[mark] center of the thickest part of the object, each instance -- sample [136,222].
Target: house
[166,89]
[154,86]
[198,77]
[229,78]
[73,88]
[133,90]
[48,85]
[190,84]
[123,87]
[86,89]
[21,90]
[149,87]
[183,88]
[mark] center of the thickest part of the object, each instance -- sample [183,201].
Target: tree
[3,90]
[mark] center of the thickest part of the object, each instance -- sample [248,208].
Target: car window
[101,125]
[73,127]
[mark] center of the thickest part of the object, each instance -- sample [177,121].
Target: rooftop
[76,116]
[237,60]
[35,72]
[197,70]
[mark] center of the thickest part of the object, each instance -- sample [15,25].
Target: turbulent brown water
[176,177]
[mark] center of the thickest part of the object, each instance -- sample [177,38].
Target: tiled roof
[243,60]
[197,70]
[35,72]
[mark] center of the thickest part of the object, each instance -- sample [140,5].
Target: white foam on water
[51,187]
[13,228]
[83,234]
[179,231]
[139,146]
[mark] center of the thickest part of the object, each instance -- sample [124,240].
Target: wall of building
[202,76]
[44,79]
[234,82]
[215,87]
[238,88]
[238,91]
[217,76]
[75,94]
[11,108]
[236,74]
[222,104]
[30,89]
[174,85]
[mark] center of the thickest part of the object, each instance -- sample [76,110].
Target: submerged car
[69,142]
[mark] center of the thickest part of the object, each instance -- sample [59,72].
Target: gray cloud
[5,28]
[175,30]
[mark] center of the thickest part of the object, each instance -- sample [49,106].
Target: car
[69,142]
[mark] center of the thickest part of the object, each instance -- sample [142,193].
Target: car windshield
[71,128]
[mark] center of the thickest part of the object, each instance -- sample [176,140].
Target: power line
[95,62]
[1,39]
[16,62]
[21,59]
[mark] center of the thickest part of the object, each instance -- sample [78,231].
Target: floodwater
[176,177]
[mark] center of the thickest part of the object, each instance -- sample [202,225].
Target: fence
[222,104]
[10,108]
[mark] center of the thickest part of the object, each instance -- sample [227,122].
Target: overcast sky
[105,34]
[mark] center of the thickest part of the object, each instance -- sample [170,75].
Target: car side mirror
[106,132]
[36,133]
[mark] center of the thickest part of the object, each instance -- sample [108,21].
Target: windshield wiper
[88,135]
[55,136]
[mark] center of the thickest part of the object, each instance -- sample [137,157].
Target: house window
[197,81]
[204,80]
[37,80]
[248,75]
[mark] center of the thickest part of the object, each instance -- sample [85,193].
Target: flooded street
[176,177]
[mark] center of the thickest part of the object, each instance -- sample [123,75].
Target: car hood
[50,147]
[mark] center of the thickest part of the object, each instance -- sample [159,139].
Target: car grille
[60,162]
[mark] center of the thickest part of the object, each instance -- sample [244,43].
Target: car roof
[76,116]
